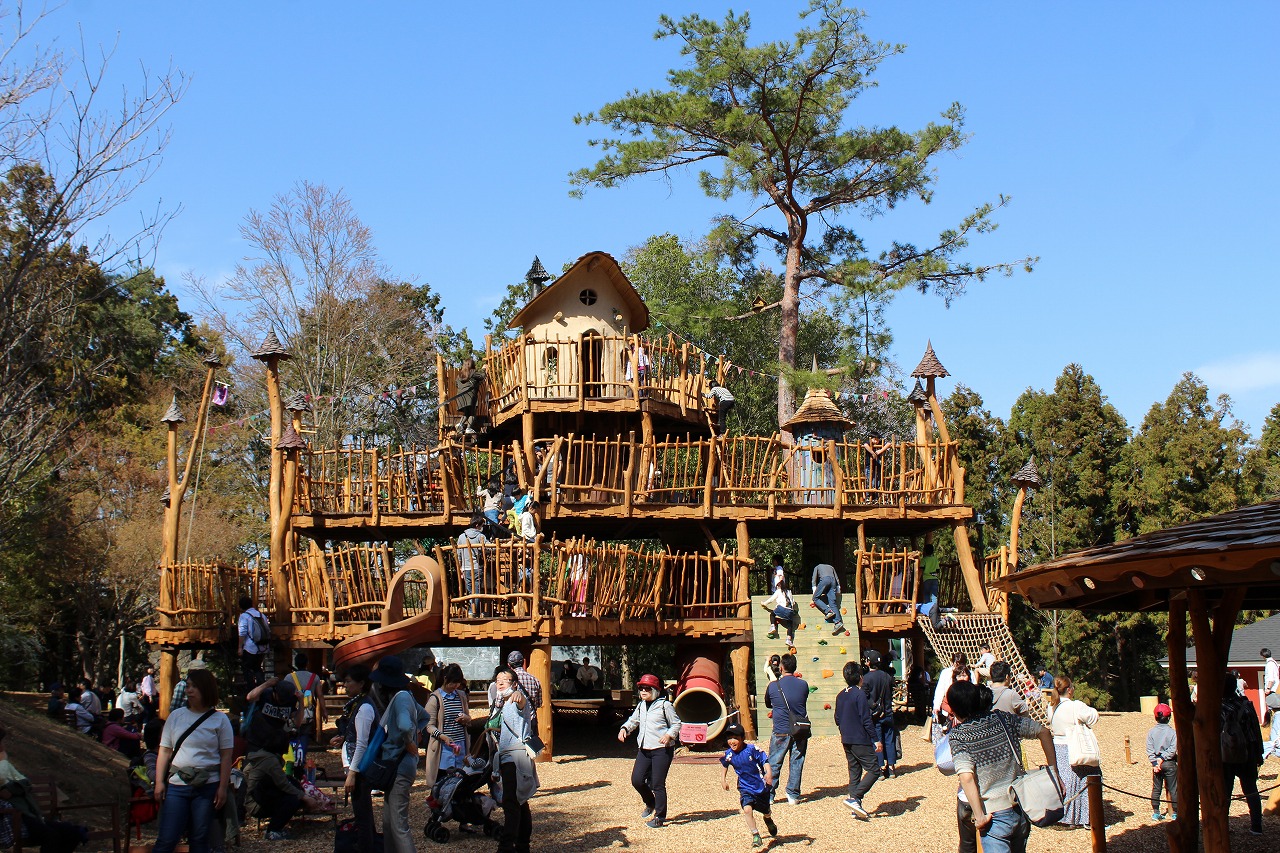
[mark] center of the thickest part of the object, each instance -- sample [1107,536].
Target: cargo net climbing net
[967,632]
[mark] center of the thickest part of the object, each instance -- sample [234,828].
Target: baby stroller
[456,796]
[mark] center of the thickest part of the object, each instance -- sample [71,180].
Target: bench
[44,790]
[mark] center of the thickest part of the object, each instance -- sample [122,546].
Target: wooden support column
[1185,831]
[1212,643]
[1097,821]
[526,435]
[969,569]
[540,668]
[740,658]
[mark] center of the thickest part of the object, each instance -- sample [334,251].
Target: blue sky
[1135,139]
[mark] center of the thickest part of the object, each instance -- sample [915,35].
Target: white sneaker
[789,801]
[856,807]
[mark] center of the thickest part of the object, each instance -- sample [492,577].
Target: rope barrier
[1148,796]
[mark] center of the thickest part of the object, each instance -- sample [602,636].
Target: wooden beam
[1184,832]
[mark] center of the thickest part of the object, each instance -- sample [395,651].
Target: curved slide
[398,633]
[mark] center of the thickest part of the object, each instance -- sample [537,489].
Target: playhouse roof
[818,407]
[590,262]
[929,365]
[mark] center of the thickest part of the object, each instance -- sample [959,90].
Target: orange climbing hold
[827,673]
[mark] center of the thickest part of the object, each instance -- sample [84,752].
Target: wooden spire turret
[1027,478]
[271,352]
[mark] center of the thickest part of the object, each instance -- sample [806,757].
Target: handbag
[378,770]
[1082,746]
[1037,792]
[942,757]
[801,728]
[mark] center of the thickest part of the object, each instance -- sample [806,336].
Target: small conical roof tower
[818,408]
[271,348]
[173,415]
[918,394]
[290,440]
[929,366]
[1028,476]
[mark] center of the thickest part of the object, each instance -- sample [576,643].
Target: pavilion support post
[1212,642]
[740,658]
[1184,832]
[1097,821]
[540,668]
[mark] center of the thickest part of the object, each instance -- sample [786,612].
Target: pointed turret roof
[929,366]
[537,273]
[918,394]
[173,415]
[271,348]
[298,403]
[1028,475]
[290,440]
[818,407]
[212,360]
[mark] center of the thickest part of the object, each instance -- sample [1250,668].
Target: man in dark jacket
[788,697]
[878,685]
[860,737]
[1242,749]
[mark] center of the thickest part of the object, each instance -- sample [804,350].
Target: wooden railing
[896,472]
[207,594]
[579,369]
[515,581]
[994,567]
[738,471]
[344,586]
[888,584]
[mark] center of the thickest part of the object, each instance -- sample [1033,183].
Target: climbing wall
[820,660]
[966,631]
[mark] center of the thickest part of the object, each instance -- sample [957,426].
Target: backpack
[308,696]
[246,718]
[258,630]
[1238,723]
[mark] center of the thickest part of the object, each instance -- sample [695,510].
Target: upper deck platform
[597,373]
[588,484]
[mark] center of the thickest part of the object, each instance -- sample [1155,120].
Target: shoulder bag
[801,728]
[1037,792]
[942,757]
[1082,745]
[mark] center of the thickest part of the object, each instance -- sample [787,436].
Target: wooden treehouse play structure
[608,428]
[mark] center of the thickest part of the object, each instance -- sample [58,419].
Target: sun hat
[649,680]
[390,673]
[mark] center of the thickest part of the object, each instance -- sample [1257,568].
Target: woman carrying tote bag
[1065,719]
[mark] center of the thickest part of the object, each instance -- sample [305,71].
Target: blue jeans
[785,746]
[890,738]
[929,600]
[186,811]
[827,597]
[1007,832]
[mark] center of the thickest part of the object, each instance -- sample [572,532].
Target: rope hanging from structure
[972,631]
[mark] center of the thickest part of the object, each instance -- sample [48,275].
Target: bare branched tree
[314,278]
[72,151]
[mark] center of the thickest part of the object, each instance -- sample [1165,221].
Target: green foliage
[776,120]
[1187,461]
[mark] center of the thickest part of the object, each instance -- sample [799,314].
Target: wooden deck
[570,590]
[350,492]
[585,374]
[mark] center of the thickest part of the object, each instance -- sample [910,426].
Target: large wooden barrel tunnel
[699,695]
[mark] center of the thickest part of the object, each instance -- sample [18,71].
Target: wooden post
[740,658]
[540,668]
[1183,833]
[1097,822]
[712,462]
[629,477]
[1212,643]
[972,577]
[1014,523]
[742,588]
[684,374]
[1128,753]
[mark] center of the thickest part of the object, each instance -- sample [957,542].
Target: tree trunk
[790,328]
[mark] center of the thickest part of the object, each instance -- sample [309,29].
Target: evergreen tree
[1187,461]
[777,121]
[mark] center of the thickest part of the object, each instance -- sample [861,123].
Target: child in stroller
[456,796]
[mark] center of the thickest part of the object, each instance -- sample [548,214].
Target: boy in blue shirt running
[755,780]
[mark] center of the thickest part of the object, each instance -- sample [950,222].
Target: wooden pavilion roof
[1233,549]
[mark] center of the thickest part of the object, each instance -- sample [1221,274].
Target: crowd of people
[392,722]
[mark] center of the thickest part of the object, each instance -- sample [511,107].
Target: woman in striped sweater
[447,721]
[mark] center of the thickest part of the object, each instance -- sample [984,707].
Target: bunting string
[390,394]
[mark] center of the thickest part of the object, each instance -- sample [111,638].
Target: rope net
[966,632]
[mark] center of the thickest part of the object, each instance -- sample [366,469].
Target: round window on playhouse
[587,297]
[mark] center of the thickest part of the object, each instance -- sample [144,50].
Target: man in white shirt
[588,676]
[1271,702]
[985,660]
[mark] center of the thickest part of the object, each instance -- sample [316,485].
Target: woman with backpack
[193,769]
[1064,714]
[392,707]
[657,728]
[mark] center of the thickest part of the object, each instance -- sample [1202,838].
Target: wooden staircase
[820,660]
